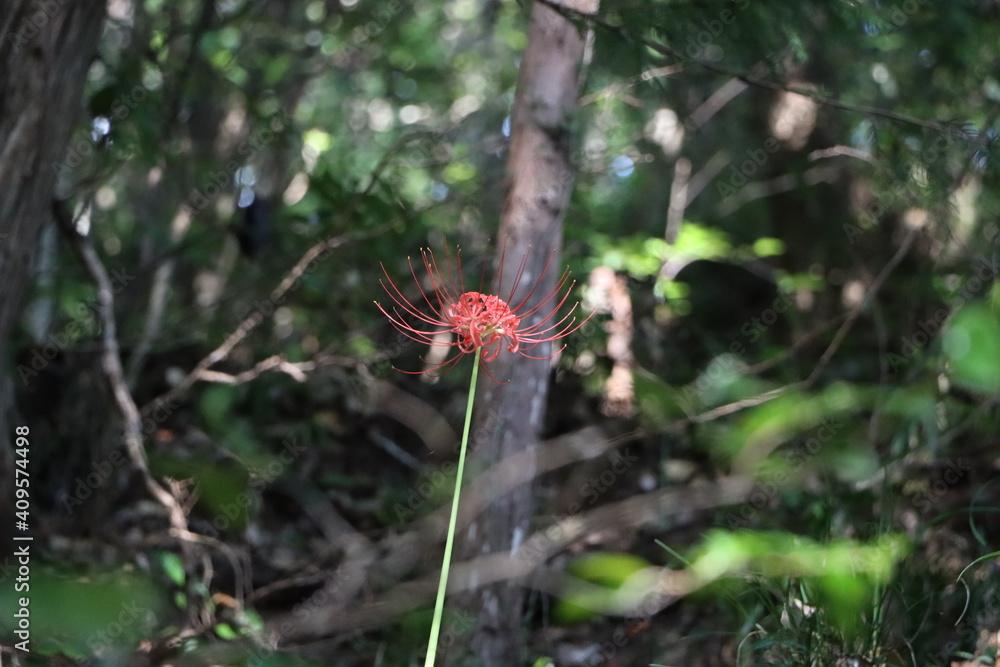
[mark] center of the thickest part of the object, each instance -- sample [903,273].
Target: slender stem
[450,542]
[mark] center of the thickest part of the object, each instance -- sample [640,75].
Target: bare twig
[296,371]
[678,199]
[740,405]
[861,305]
[804,340]
[158,298]
[750,79]
[249,323]
[774,186]
[716,101]
[255,318]
[419,416]
[112,364]
[837,151]
[706,175]
[616,88]
[686,188]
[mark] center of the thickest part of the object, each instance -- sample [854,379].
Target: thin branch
[716,101]
[740,405]
[706,175]
[678,199]
[804,340]
[112,364]
[749,79]
[158,298]
[861,305]
[616,88]
[255,318]
[837,151]
[249,323]
[685,188]
[296,371]
[774,186]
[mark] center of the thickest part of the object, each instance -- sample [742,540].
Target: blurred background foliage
[840,250]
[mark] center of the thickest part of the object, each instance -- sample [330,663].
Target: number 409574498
[21,472]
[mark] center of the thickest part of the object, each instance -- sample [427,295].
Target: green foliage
[764,428]
[121,606]
[834,587]
[612,576]
[725,554]
[972,348]
[173,566]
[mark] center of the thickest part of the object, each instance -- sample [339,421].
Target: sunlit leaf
[972,347]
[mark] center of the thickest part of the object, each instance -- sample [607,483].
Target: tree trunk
[509,417]
[45,52]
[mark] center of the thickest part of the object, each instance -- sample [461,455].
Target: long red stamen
[479,322]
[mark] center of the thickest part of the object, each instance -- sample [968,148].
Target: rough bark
[509,417]
[45,51]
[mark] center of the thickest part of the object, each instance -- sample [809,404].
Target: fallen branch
[523,565]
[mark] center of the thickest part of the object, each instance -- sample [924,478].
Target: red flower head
[479,321]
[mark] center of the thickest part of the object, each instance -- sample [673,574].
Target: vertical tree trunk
[45,51]
[509,417]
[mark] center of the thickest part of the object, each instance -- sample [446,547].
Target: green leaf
[173,566]
[606,568]
[765,247]
[216,406]
[252,620]
[608,585]
[225,631]
[972,348]
[77,614]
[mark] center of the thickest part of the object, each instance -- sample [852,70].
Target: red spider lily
[479,321]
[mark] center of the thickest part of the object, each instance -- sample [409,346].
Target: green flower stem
[432,642]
